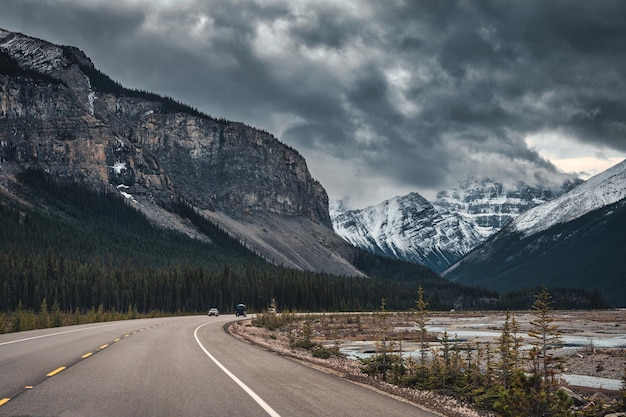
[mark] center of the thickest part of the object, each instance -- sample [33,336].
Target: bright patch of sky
[569,155]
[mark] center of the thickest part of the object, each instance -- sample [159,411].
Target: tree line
[89,249]
[10,67]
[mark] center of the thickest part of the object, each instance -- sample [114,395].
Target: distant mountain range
[440,233]
[483,234]
[576,240]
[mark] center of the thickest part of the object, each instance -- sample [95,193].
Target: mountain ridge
[598,191]
[63,118]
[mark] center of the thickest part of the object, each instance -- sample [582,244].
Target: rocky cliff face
[55,114]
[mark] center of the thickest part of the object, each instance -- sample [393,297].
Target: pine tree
[545,337]
[507,356]
[542,395]
[517,342]
[56,314]
[384,363]
[44,316]
[422,320]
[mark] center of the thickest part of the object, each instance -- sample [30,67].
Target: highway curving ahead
[176,366]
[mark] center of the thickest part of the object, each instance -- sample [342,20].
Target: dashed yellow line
[62,368]
[56,371]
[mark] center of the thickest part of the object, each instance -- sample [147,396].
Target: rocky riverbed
[593,352]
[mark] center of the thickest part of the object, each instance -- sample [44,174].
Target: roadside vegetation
[497,378]
[51,316]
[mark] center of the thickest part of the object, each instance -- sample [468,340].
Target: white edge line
[243,386]
[58,333]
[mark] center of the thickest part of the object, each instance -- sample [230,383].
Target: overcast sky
[381,97]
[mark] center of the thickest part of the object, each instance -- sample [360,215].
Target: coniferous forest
[80,250]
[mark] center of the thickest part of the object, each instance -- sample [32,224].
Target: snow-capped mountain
[408,228]
[601,190]
[437,234]
[576,240]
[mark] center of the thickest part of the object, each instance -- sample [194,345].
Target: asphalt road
[179,366]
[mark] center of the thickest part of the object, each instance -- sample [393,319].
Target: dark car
[240,310]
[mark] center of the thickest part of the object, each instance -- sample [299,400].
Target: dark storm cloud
[397,96]
[328,27]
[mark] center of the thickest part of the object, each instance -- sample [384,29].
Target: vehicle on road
[214,312]
[240,310]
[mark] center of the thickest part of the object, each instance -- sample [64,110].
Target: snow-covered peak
[601,190]
[477,192]
[379,223]
[408,227]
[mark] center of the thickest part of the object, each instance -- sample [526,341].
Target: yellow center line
[3,401]
[56,371]
[28,387]
[117,340]
[103,346]
[86,355]
[126,335]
